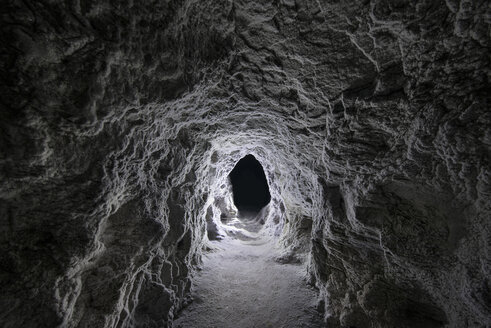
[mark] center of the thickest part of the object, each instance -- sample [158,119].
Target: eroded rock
[121,121]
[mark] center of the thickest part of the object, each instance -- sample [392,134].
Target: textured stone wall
[119,122]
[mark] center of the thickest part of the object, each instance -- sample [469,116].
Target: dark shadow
[249,186]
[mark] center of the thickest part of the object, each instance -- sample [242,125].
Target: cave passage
[249,281]
[249,185]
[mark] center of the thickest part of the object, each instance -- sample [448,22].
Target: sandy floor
[241,286]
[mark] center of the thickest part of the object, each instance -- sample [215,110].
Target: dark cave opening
[249,185]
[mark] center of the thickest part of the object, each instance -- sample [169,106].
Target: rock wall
[120,122]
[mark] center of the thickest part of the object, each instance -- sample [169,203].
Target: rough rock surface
[120,120]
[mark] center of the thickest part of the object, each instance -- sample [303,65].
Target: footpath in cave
[243,284]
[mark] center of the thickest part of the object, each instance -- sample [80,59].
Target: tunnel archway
[249,185]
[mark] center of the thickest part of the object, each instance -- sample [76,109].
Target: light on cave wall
[243,193]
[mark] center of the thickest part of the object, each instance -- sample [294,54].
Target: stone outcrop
[121,120]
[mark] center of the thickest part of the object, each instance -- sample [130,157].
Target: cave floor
[241,285]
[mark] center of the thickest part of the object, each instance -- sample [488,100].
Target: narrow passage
[242,286]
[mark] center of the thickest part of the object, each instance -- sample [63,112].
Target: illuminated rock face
[121,122]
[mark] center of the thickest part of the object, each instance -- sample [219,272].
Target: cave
[121,123]
[249,185]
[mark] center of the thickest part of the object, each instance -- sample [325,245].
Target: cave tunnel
[122,130]
[249,186]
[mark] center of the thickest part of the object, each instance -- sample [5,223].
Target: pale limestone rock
[120,122]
